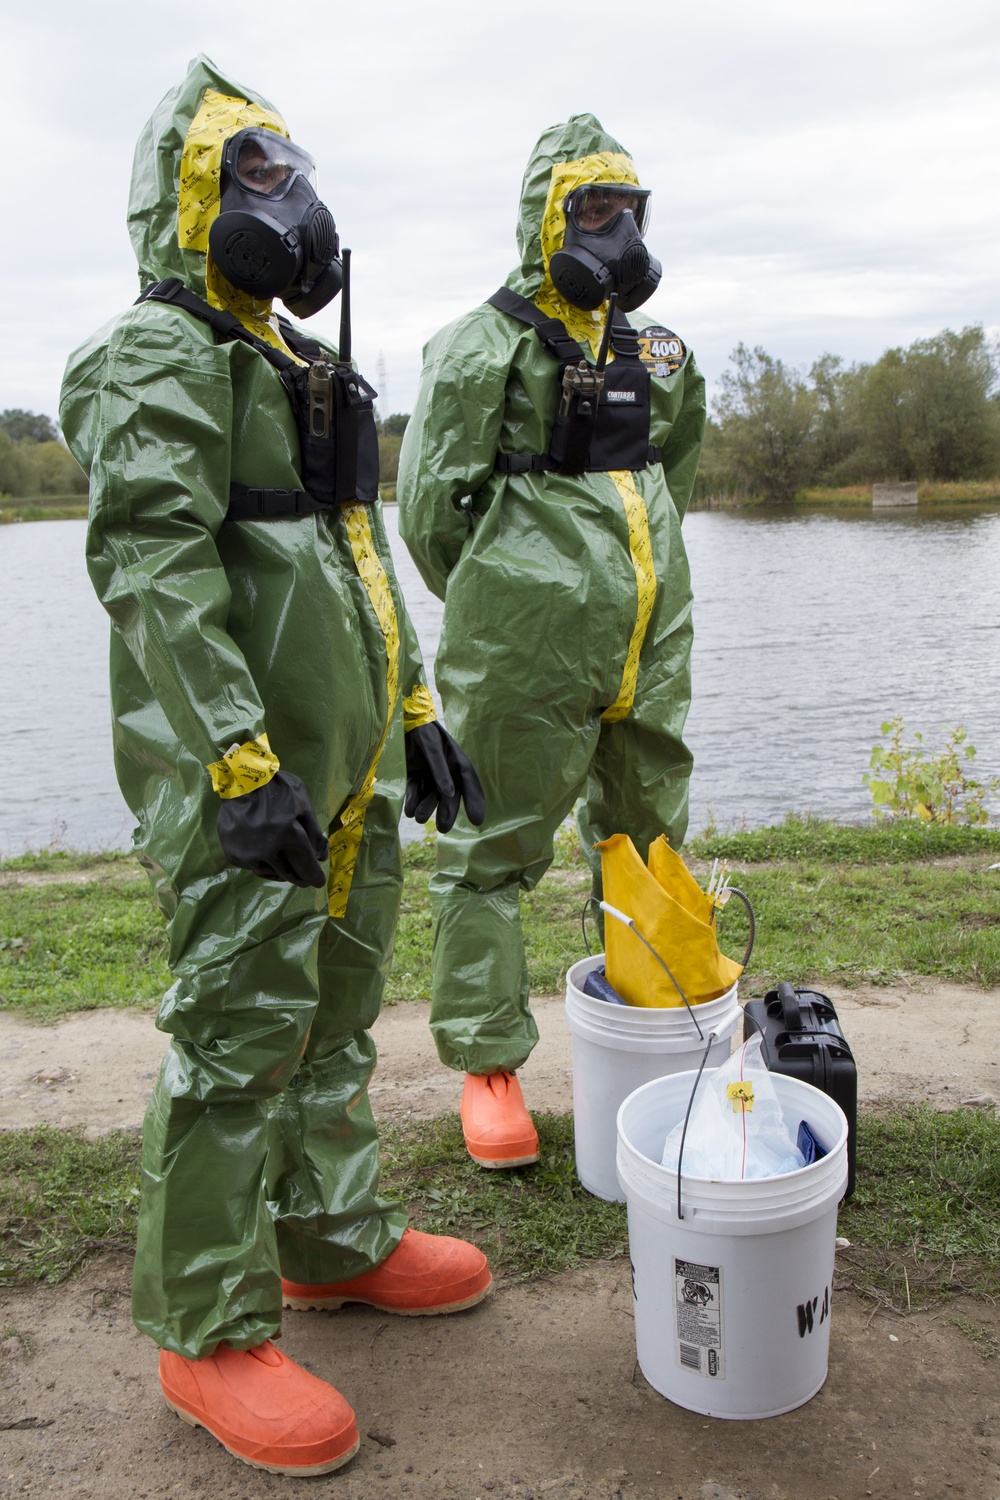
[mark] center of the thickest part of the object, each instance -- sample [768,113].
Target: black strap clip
[530,463]
[246,504]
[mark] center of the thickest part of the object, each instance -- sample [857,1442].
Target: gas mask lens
[590,209]
[265,163]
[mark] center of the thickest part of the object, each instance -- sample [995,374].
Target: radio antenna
[344,356]
[602,357]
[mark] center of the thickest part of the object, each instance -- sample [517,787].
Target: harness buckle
[271,504]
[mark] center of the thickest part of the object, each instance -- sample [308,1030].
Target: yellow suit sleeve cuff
[418,708]
[244,768]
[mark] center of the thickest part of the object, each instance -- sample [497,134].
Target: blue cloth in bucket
[597,987]
[809,1144]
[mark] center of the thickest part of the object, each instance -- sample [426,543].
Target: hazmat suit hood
[565,156]
[174,195]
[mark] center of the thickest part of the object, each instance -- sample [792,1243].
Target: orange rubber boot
[497,1127]
[425,1274]
[263,1407]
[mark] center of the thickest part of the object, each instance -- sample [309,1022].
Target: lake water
[809,631]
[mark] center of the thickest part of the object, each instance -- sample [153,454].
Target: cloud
[824,176]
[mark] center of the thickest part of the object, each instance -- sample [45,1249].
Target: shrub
[936,787]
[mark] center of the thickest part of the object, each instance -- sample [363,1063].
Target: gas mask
[602,250]
[272,236]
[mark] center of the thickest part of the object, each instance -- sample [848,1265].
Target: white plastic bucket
[618,1047]
[732,1302]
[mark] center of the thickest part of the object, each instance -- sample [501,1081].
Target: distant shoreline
[855,497]
[930,492]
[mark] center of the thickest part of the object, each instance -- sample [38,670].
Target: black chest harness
[334,413]
[602,421]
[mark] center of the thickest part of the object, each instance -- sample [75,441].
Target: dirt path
[96,1069]
[535,1393]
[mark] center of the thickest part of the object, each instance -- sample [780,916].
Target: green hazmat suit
[564,661]
[260,1150]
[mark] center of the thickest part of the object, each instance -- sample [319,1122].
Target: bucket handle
[590,901]
[627,921]
[687,1116]
[733,890]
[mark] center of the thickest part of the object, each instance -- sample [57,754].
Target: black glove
[439,775]
[272,831]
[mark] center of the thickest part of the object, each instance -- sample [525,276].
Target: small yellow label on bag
[741,1093]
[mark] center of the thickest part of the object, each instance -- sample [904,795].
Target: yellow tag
[244,768]
[741,1094]
[418,708]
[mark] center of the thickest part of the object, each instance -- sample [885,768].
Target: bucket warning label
[698,1318]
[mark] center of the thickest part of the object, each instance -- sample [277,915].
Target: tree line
[929,411]
[35,461]
[33,458]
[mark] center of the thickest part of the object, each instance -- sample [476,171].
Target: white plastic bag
[736,1130]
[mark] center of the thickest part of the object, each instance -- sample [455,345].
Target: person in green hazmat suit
[263,672]
[541,498]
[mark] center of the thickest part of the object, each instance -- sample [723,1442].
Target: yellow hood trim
[603,166]
[255,313]
[218,117]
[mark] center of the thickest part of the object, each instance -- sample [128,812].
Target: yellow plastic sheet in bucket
[674,915]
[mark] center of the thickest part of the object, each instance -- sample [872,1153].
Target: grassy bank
[930,492]
[858,496]
[833,901]
[42,508]
[924,1224]
[853,904]
[74,507]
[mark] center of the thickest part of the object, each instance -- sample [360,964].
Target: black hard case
[801,1037]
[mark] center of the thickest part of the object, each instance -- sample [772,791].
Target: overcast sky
[824,172]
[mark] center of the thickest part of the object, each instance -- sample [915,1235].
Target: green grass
[42,508]
[874,924]
[50,861]
[530,1222]
[929,492]
[848,904]
[924,1223]
[80,945]
[890,841]
[63,1199]
[550,917]
[925,1219]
